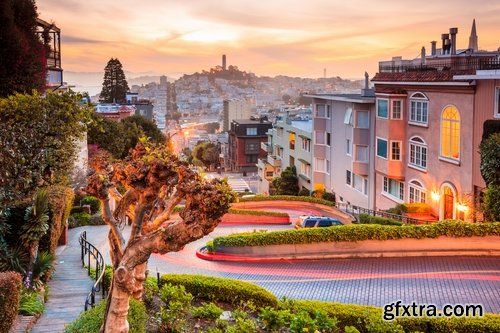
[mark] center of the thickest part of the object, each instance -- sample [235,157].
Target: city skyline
[271,38]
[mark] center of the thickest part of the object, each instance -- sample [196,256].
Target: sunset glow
[266,37]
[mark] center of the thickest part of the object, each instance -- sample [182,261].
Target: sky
[266,37]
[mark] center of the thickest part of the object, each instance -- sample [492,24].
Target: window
[419,106]
[348,177]
[328,137]
[251,158]
[291,139]
[450,133]
[394,188]
[348,147]
[305,169]
[306,144]
[357,182]
[348,116]
[279,152]
[382,148]
[251,130]
[396,150]
[417,192]
[322,111]
[279,131]
[382,106]
[418,153]
[319,164]
[252,147]
[363,120]
[365,187]
[362,153]
[396,110]
[327,166]
[497,102]
[269,174]
[320,137]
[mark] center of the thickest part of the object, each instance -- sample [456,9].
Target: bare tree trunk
[116,316]
[140,276]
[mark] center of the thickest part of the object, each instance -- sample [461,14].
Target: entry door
[448,203]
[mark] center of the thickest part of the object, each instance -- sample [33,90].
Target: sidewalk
[68,288]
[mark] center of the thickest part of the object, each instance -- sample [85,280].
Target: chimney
[422,56]
[445,39]
[453,33]
[433,48]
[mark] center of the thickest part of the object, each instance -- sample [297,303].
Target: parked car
[312,221]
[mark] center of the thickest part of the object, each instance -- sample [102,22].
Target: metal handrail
[356,210]
[88,250]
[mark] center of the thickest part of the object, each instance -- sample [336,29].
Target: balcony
[454,63]
[275,161]
[265,146]
[361,136]
[360,168]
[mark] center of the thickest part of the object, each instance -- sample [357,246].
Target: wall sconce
[435,195]
[462,207]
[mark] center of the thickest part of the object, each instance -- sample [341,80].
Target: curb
[202,254]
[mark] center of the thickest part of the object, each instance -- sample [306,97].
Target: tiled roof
[419,76]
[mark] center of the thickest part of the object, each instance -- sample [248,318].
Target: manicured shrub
[304,192]
[256,212]
[223,290]
[93,202]
[418,207]
[287,198]
[107,278]
[79,220]
[207,311]
[369,219]
[90,321]
[328,196]
[358,232]
[10,292]
[176,305]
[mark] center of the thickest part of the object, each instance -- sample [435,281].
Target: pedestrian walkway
[68,289]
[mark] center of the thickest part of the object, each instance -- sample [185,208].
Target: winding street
[368,281]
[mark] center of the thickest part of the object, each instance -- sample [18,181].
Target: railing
[356,210]
[453,64]
[92,254]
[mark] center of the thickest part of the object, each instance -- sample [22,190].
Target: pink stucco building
[428,126]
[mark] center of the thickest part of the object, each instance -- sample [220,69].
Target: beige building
[234,109]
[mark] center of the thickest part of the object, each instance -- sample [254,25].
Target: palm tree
[35,226]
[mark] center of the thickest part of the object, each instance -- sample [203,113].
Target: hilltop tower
[224,62]
[473,37]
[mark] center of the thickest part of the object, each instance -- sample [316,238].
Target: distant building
[235,109]
[289,144]
[50,35]
[113,111]
[244,144]
[429,123]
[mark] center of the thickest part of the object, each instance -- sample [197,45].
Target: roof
[355,98]
[418,76]
[250,122]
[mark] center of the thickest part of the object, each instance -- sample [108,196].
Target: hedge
[287,198]
[256,212]
[359,232]
[368,219]
[10,294]
[219,289]
[93,202]
[90,321]
[358,315]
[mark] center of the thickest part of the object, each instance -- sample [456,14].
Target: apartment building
[288,144]
[234,109]
[428,126]
[343,127]
[244,144]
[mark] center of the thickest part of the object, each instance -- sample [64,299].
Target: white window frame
[417,144]
[400,146]
[418,98]
[366,159]
[322,110]
[386,189]
[376,148]
[348,116]
[416,188]
[305,169]
[251,131]
[367,119]
[441,156]
[388,108]
[319,165]
[306,144]
[316,138]
[348,147]
[348,173]
[400,109]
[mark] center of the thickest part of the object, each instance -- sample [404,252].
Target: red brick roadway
[370,281]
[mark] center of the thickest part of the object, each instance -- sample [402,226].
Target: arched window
[450,133]
[417,192]
[419,106]
[418,153]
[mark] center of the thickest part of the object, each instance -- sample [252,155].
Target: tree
[287,183]
[23,55]
[38,141]
[490,170]
[114,86]
[206,154]
[148,127]
[155,182]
